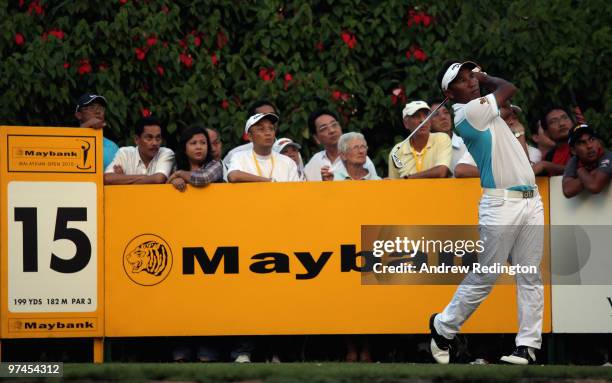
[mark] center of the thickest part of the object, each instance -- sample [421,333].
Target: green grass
[331,372]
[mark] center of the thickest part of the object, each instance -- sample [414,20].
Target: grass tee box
[334,372]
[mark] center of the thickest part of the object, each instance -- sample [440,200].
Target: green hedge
[206,61]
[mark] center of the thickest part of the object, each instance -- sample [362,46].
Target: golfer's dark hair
[146,121]
[316,114]
[445,66]
[544,120]
[258,103]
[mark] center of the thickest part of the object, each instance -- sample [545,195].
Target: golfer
[510,214]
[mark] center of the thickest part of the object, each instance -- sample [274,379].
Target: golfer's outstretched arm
[502,89]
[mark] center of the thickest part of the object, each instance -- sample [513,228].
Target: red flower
[267,74]
[288,78]
[319,46]
[103,67]
[66,65]
[398,94]
[416,18]
[224,104]
[84,67]
[221,40]
[214,58]
[197,41]
[141,53]
[123,2]
[35,7]
[21,3]
[349,39]
[19,39]
[345,96]
[160,70]
[57,33]
[183,44]
[336,94]
[152,40]
[145,112]
[186,59]
[419,55]
[165,9]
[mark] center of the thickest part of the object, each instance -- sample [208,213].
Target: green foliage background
[546,48]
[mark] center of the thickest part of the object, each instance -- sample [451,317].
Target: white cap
[254,119]
[413,107]
[453,71]
[282,143]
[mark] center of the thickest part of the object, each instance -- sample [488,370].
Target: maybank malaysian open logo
[147,259]
[52,154]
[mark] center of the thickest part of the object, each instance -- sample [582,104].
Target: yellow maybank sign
[285,258]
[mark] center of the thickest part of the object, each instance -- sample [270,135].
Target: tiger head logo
[147,259]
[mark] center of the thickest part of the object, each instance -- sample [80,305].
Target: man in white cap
[425,155]
[261,164]
[291,149]
[510,214]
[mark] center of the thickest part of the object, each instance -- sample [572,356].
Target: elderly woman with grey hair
[353,150]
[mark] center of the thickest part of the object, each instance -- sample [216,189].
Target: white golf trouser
[512,229]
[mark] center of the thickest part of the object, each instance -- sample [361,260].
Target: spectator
[291,149]
[557,124]
[540,137]
[259,106]
[145,163]
[353,150]
[510,115]
[326,130]
[425,155]
[354,153]
[441,122]
[261,164]
[194,160]
[466,167]
[216,145]
[90,112]
[590,166]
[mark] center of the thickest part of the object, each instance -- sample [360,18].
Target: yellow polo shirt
[438,151]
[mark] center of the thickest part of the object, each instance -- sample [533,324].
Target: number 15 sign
[51,215]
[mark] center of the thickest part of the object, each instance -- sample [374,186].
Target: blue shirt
[109,150]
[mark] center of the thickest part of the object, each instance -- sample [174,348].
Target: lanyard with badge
[259,169]
[418,157]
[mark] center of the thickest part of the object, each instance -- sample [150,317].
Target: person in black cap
[90,111]
[590,167]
